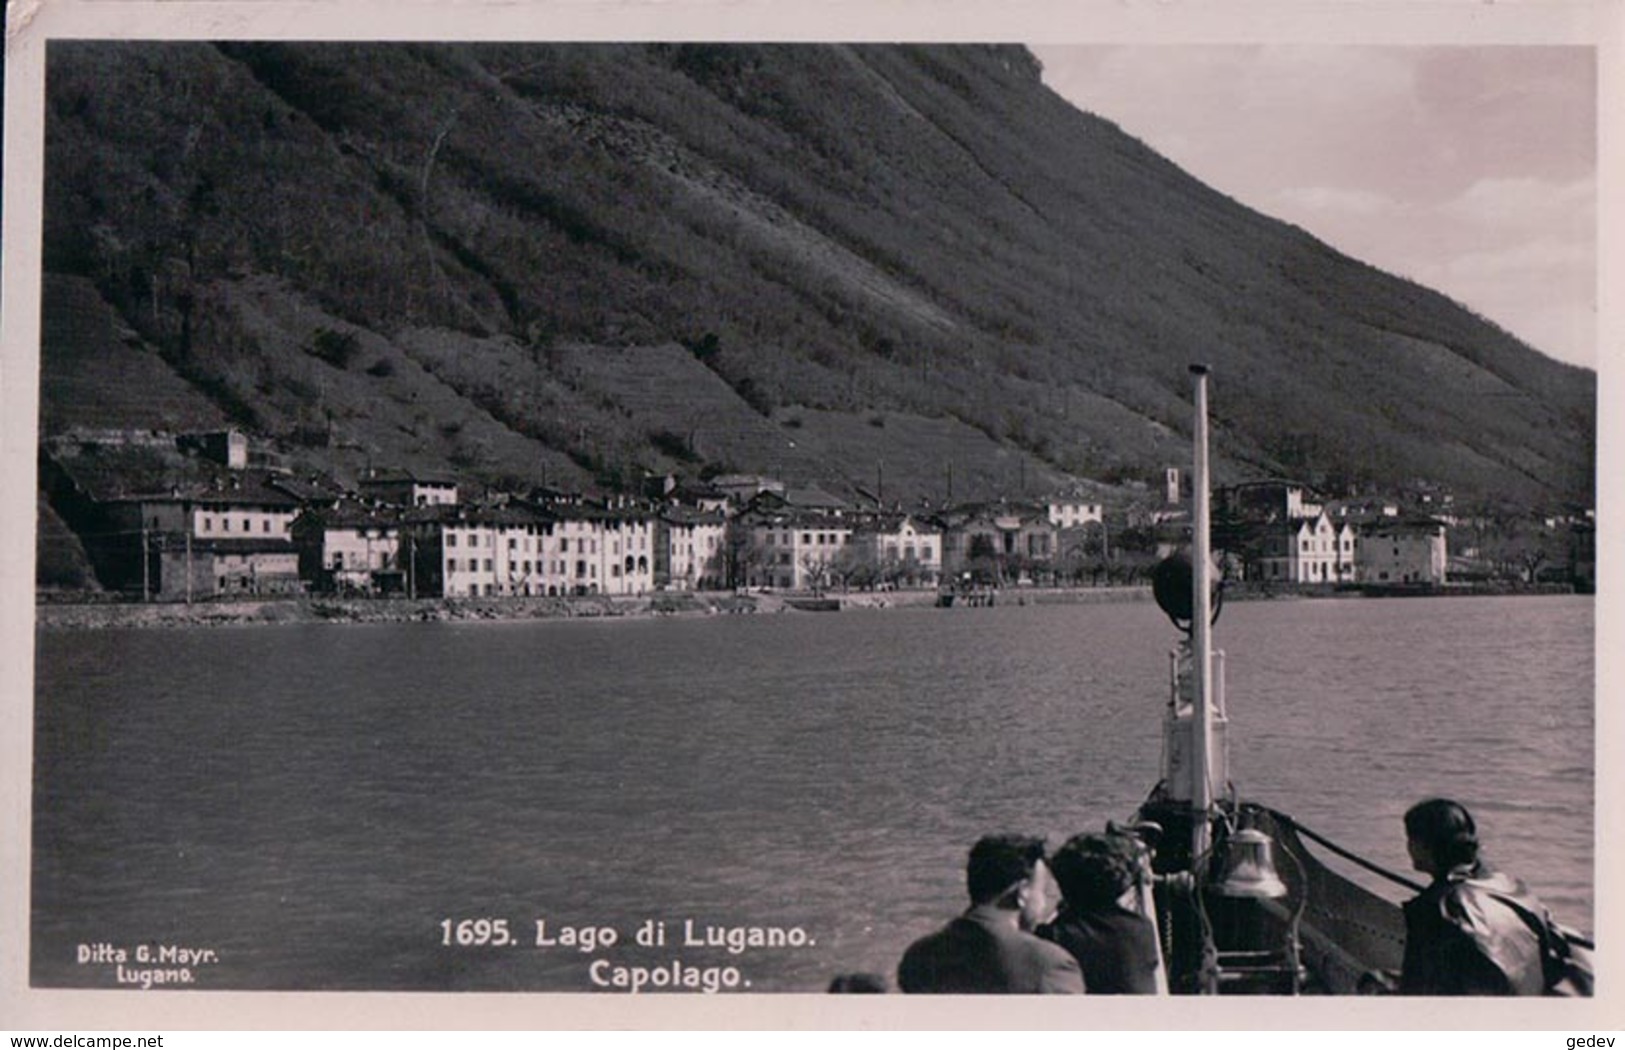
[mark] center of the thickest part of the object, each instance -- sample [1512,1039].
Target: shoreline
[82,615]
[69,614]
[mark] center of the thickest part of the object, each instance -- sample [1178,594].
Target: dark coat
[1460,940]
[980,952]
[1116,948]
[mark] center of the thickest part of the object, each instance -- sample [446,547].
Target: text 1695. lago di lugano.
[696,940]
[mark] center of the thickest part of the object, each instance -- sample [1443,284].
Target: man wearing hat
[988,949]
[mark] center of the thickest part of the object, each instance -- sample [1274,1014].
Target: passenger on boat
[857,984]
[988,949]
[1115,945]
[1464,934]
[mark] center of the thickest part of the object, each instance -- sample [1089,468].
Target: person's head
[1440,835]
[1008,871]
[1095,870]
[858,983]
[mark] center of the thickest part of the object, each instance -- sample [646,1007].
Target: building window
[488,565]
[451,539]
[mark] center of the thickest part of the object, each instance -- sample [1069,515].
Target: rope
[1346,855]
[1574,937]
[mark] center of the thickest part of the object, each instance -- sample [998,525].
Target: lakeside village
[186,518]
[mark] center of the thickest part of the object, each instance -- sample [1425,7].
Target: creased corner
[19,16]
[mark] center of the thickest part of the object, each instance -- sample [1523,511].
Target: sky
[1472,170]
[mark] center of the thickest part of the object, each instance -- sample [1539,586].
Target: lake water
[313,803]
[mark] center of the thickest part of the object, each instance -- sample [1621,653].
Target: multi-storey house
[230,538]
[1002,541]
[690,549]
[456,551]
[1277,530]
[901,550]
[1308,550]
[350,548]
[1403,551]
[790,550]
[168,523]
[628,565]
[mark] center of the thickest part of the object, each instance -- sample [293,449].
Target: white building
[1311,550]
[794,551]
[349,548]
[494,553]
[690,550]
[628,546]
[904,551]
[574,555]
[1067,513]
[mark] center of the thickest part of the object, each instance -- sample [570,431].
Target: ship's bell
[1249,868]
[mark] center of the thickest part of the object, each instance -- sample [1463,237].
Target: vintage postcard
[569,516]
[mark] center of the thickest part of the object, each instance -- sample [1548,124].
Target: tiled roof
[352,515]
[402,475]
[309,490]
[813,498]
[241,491]
[466,514]
[1410,523]
[687,516]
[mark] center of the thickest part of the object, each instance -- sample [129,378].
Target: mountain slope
[565,261]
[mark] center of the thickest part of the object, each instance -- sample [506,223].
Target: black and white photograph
[656,513]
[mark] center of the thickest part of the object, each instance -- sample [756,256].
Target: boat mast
[1201,623]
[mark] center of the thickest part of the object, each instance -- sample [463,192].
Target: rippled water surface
[311,802]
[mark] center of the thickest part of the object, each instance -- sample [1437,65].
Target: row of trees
[1086,559]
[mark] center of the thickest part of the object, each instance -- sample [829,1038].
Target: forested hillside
[849,265]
